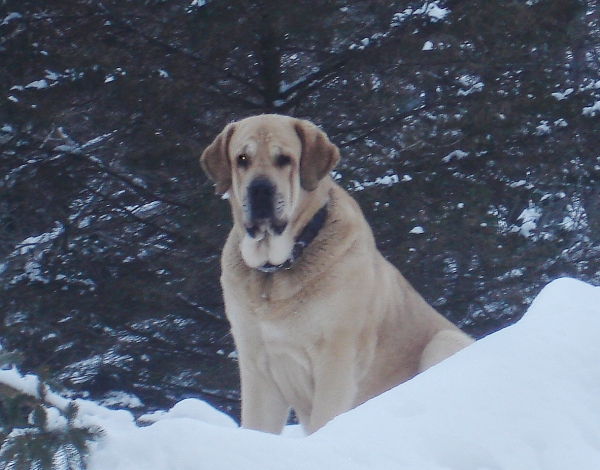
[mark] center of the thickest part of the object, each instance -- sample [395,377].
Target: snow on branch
[591,111]
[428,10]
[431,10]
[40,429]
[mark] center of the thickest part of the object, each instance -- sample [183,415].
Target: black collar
[308,234]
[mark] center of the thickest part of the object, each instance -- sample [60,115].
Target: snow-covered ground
[524,398]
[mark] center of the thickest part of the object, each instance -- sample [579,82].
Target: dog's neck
[306,236]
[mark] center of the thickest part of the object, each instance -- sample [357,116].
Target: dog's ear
[319,154]
[215,160]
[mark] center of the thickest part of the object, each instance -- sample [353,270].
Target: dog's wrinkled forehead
[261,136]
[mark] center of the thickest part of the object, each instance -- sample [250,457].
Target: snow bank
[527,397]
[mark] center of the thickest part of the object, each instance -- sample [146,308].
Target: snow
[97,140]
[560,123]
[430,9]
[10,17]
[456,154]
[576,217]
[140,209]
[30,243]
[591,111]
[543,128]
[526,397]
[433,10]
[122,399]
[562,95]
[55,420]
[386,180]
[37,245]
[472,83]
[192,409]
[38,84]
[197,3]
[30,385]
[529,217]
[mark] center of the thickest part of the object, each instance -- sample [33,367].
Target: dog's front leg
[335,389]
[263,406]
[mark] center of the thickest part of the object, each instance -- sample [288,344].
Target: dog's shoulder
[347,221]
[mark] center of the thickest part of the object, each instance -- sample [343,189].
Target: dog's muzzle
[262,206]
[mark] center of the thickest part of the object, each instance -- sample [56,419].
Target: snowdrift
[524,398]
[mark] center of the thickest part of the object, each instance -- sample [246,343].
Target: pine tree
[36,434]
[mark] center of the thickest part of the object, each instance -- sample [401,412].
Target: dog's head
[268,164]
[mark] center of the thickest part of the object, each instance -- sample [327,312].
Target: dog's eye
[283,160]
[243,161]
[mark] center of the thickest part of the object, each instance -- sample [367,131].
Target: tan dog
[321,321]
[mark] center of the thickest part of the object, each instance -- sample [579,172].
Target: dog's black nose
[261,193]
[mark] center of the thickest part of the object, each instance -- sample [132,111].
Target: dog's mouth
[263,208]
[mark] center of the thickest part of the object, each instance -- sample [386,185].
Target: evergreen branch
[39,429]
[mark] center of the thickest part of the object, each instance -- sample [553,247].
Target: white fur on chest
[288,363]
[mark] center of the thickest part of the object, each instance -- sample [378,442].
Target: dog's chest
[274,333]
[288,359]
[278,295]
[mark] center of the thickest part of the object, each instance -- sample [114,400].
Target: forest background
[468,132]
